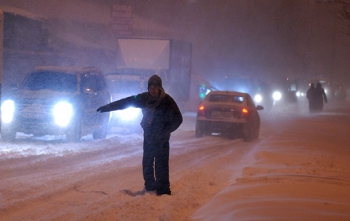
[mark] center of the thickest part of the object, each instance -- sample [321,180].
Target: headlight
[277,96]
[128,114]
[63,113]
[7,111]
[258,98]
[299,94]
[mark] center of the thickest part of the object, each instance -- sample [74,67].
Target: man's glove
[102,109]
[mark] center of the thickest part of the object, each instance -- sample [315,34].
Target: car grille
[34,110]
[31,101]
[35,118]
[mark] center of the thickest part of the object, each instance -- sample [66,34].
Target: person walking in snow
[311,96]
[320,97]
[161,117]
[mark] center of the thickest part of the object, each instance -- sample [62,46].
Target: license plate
[219,114]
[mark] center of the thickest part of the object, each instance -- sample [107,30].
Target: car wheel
[8,135]
[257,132]
[75,134]
[101,132]
[199,131]
[247,133]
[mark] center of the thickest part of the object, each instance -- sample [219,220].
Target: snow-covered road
[48,179]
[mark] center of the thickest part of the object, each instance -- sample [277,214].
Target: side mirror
[259,107]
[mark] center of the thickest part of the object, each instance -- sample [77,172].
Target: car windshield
[226,98]
[51,80]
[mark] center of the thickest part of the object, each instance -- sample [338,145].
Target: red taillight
[200,110]
[245,111]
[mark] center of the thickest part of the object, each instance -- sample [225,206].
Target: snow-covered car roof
[226,98]
[228,93]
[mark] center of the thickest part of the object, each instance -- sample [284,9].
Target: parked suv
[54,100]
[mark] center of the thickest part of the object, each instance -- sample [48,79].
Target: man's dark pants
[155,162]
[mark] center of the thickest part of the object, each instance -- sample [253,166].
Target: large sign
[122,19]
[152,54]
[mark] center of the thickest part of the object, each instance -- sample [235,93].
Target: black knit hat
[155,80]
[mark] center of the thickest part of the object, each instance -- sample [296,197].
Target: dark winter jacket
[161,120]
[320,93]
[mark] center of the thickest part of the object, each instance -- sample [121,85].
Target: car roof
[228,93]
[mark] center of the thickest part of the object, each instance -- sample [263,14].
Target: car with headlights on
[259,89]
[230,113]
[55,100]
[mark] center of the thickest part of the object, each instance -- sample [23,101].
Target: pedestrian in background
[320,97]
[311,96]
[161,117]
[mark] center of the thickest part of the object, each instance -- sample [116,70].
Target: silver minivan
[56,100]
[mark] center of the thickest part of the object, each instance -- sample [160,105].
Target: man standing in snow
[161,116]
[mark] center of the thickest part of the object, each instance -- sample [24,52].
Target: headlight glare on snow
[128,114]
[7,111]
[63,113]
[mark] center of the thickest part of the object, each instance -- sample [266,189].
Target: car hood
[46,96]
[42,94]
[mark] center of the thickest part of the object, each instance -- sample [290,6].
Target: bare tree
[343,14]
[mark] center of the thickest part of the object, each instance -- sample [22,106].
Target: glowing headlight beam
[277,96]
[258,98]
[7,111]
[128,114]
[299,94]
[63,113]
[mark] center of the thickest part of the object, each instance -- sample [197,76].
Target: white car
[230,113]
[54,100]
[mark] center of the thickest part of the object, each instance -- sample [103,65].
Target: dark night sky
[268,38]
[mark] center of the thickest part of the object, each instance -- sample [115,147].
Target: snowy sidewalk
[298,172]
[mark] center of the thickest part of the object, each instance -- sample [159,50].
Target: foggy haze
[292,172]
[270,39]
[297,169]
